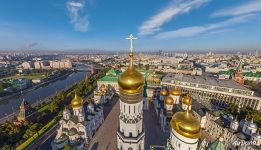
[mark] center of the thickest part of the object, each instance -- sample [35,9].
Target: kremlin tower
[238,75]
[130,134]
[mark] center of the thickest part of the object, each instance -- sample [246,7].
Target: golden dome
[169,100]
[175,91]
[187,100]
[76,101]
[103,87]
[131,81]
[164,92]
[185,124]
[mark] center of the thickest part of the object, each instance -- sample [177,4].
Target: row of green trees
[254,86]
[243,112]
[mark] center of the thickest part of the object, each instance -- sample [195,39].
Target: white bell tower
[130,135]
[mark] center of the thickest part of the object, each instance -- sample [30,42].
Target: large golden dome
[175,91]
[76,101]
[131,81]
[185,124]
[187,100]
[164,92]
[169,100]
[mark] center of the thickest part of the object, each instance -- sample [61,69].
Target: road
[153,134]
[105,137]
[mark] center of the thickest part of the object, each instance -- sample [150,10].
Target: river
[8,106]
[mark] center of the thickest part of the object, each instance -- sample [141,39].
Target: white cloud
[195,30]
[252,6]
[76,9]
[178,7]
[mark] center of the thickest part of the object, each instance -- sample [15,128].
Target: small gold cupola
[169,100]
[76,101]
[186,124]
[175,91]
[187,100]
[164,92]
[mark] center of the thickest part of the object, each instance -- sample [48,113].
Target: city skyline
[168,25]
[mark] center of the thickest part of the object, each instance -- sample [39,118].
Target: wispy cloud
[252,6]
[77,16]
[154,23]
[195,30]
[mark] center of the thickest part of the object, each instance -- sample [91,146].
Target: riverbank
[35,86]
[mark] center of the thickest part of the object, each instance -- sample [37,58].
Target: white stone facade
[74,128]
[179,142]
[130,135]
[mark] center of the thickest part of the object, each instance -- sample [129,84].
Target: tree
[61,95]
[31,130]
[53,106]
[68,147]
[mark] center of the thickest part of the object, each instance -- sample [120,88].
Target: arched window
[124,108]
[130,148]
[129,109]
[134,109]
[130,134]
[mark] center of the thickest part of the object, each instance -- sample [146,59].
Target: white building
[78,127]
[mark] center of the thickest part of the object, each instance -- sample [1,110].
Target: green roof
[217,145]
[251,74]
[229,72]
[111,75]
[72,131]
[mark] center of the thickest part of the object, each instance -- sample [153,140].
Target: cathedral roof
[219,144]
[72,132]
[61,139]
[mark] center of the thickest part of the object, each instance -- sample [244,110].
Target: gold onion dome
[169,100]
[164,92]
[175,91]
[131,81]
[103,87]
[76,101]
[187,100]
[185,124]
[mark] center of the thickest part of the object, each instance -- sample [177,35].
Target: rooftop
[206,79]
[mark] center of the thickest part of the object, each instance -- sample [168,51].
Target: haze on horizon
[100,24]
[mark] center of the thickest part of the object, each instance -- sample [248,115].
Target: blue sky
[104,24]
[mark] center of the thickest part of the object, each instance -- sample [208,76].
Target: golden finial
[252,119]
[236,117]
[131,52]
[187,111]
[131,81]
[222,135]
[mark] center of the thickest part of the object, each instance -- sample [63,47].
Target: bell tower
[130,135]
